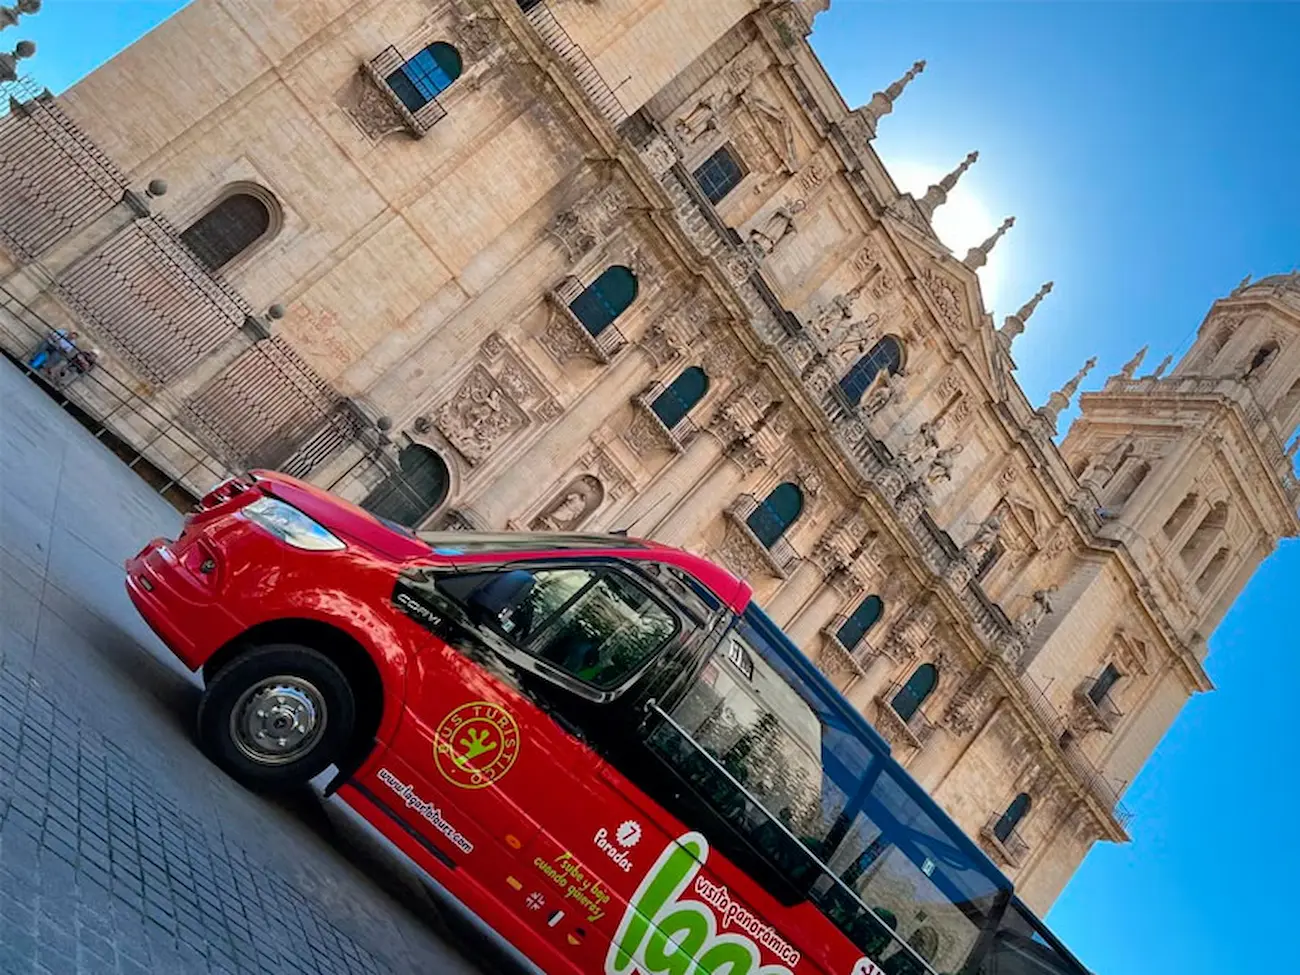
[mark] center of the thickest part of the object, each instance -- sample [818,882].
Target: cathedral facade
[634,264]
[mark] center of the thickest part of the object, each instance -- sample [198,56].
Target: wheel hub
[279,720]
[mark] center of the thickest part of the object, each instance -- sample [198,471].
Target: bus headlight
[291,526]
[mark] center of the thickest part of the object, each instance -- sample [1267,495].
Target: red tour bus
[600,745]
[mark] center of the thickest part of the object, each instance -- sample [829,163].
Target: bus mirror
[501,599]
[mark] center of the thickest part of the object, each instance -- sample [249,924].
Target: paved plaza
[121,848]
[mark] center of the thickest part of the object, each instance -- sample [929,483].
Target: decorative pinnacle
[882,102]
[1014,325]
[1130,368]
[977,257]
[1060,399]
[937,195]
[9,15]
[9,62]
[1160,369]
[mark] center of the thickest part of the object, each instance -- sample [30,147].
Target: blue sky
[1150,153]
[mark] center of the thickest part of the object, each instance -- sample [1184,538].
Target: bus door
[487,731]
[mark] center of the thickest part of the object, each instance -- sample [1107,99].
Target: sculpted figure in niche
[941,467]
[882,391]
[571,506]
[699,120]
[778,225]
[1037,612]
[917,449]
[985,537]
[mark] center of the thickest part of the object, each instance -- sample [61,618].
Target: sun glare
[961,223]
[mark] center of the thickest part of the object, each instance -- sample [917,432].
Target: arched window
[1129,483]
[1102,686]
[236,223]
[1215,346]
[777,512]
[605,299]
[1213,569]
[1287,407]
[672,405]
[408,496]
[1174,524]
[420,79]
[887,355]
[1215,520]
[719,174]
[912,695]
[1010,819]
[1262,359]
[866,616]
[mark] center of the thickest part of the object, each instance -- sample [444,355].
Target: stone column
[803,583]
[815,613]
[655,504]
[702,504]
[516,485]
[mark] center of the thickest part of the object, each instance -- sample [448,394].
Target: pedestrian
[56,347]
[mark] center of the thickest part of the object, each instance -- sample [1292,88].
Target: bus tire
[276,716]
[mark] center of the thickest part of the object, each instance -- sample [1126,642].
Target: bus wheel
[276,716]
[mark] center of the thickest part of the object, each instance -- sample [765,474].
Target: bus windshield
[779,759]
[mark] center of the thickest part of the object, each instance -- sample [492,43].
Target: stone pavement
[121,848]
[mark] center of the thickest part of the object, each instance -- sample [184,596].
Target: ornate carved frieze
[601,464]
[947,299]
[647,432]
[662,344]
[971,702]
[589,221]
[479,416]
[742,545]
[496,400]
[371,108]
[913,732]
[566,338]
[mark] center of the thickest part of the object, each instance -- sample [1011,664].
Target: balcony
[1011,850]
[1098,710]
[779,558]
[647,431]
[378,70]
[568,52]
[837,660]
[566,337]
[914,731]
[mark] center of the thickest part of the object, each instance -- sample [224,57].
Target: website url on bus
[426,809]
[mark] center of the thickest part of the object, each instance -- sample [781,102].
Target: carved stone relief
[778,225]
[371,109]
[588,222]
[946,298]
[575,502]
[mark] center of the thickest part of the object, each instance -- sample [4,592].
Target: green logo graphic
[663,935]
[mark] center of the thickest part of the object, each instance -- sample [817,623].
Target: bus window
[594,625]
[1022,947]
[902,864]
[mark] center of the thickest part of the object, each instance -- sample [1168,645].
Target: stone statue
[985,537]
[941,467]
[578,499]
[836,311]
[922,443]
[699,120]
[778,225]
[882,391]
[1037,612]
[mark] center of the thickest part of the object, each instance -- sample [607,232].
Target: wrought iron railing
[1006,843]
[917,728]
[418,121]
[778,551]
[1099,705]
[571,54]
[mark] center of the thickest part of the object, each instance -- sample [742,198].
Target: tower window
[1213,569]
[1262,359]
[1214,522]
[423,77]
[1174,524]
[885,355]
[719,175]
[237,222]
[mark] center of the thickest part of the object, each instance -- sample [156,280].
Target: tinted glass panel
[227,230]
[1020,948]
[886,354]
[605,299]
[607,633]
[533,599]
[718,175]
[461,543]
